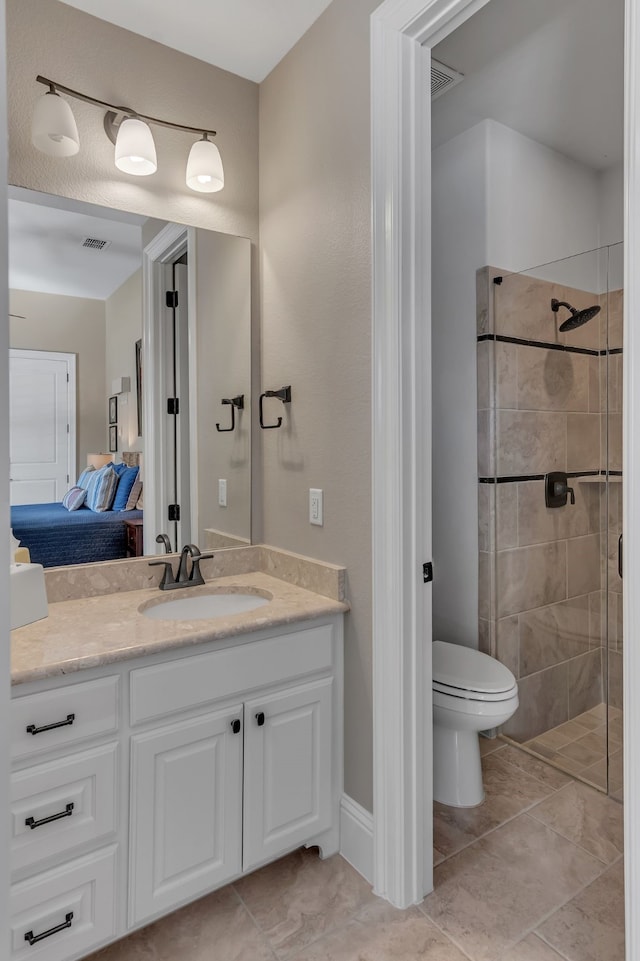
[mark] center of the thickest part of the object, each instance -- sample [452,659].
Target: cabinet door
[287,780]
[186,811]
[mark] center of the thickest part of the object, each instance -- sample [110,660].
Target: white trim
[192,324]
[5,636]
[356,837]
[631,473]
[402,33]
[168,244]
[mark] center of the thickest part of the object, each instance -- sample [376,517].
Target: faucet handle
[196,577]
[168,580]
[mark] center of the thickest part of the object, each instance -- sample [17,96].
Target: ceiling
[247,37]
[550,69]
[46,252]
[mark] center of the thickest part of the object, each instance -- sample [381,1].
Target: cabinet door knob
[260,718]
[235,725]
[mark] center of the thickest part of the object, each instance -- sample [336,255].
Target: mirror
[88,302]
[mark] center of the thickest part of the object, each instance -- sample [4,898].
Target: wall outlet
[316,510]
[222,492]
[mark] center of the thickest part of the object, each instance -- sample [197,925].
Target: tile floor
[534,874]
[579,747]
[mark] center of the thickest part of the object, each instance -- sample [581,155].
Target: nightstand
[134,538]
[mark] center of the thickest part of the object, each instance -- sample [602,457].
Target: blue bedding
[56,536]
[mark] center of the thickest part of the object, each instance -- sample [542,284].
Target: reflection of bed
[56,536]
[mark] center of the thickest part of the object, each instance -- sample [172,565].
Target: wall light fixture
[54,132]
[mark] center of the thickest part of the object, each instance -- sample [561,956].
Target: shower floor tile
[579,747]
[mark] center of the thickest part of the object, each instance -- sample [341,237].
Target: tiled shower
[550,595]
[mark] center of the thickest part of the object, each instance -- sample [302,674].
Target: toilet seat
[467,674]
[464,693]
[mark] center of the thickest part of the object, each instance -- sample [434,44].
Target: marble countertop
[96,631]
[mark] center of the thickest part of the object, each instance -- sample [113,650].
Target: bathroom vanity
[154,761]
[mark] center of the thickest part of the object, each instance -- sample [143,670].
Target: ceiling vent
[94,244]
[443,78]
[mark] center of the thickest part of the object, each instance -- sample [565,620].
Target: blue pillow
[127,480]
[118,468]
[85,477]
[102,489]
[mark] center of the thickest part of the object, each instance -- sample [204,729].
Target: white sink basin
[204,606]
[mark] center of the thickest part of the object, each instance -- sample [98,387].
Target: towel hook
[284,394]
[233,402]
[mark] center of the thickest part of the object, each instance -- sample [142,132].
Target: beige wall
[316,320]
[74,325]
[123,318]
[55,40]
[223,369]
[315,258]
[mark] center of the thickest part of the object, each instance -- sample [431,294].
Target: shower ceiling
[550,69]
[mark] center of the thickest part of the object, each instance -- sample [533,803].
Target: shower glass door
[549,453]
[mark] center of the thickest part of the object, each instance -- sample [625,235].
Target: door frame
[167,245]
[402,35]
[72,450]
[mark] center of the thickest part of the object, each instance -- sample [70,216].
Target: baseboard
[356,837]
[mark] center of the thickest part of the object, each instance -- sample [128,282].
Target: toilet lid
[468,670]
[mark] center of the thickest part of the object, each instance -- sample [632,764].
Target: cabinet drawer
[191,681]
[53,719]
[72,906]
[66,802]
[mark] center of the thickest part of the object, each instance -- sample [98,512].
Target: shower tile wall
[542,580]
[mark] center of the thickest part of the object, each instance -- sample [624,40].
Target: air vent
[94,244]
[443,78]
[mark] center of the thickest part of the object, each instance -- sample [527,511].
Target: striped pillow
[85,477]
[134,496]
[102,489]
[74,498]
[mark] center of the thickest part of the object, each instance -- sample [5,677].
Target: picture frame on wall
[113,439]
[113,410]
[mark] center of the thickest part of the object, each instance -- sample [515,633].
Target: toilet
[472,692]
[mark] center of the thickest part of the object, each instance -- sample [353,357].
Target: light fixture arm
[116,111]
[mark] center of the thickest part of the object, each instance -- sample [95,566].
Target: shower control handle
[560,489]
[556,489]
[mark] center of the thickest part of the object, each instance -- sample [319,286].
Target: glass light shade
[204,167]
[53,128]
[135,149]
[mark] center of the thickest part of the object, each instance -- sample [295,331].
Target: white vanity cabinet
[218,794]
[64,819]
[186,811]
[184,770]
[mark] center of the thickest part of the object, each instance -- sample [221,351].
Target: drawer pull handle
[32,823]
[32,729]
[260,718]
[235,725]
[34,938]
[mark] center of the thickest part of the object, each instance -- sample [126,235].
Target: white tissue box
[28,598]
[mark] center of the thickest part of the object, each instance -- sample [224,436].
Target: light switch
[222,492]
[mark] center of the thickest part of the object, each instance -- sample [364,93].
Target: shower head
[577,318]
